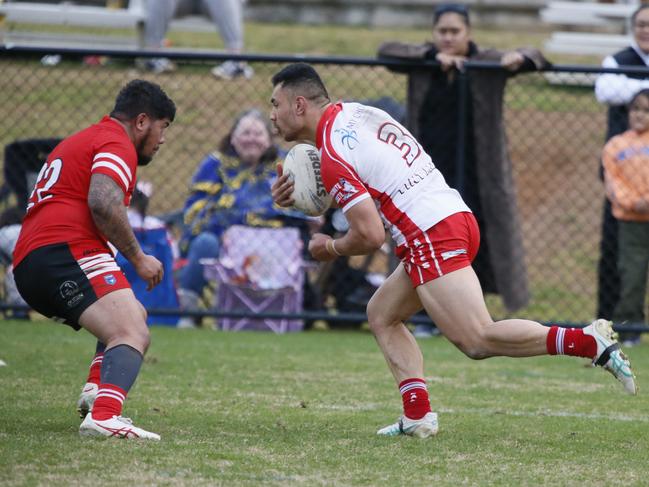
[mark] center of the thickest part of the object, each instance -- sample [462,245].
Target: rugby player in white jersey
[380,176]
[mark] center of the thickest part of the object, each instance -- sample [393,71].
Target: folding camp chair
[259,270]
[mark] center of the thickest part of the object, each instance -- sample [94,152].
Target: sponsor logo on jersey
[358,113]
[349,138]
[417,177]
[110,279]
[343,190]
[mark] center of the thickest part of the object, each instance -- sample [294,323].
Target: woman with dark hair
[230,187]
[485,179]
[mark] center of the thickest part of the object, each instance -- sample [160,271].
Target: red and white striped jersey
[57,210]
[365,153]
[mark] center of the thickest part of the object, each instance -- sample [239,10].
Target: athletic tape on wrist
[332,248]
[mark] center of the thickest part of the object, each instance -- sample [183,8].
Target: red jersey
[57,210]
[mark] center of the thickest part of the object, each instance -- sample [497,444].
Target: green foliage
[302,409]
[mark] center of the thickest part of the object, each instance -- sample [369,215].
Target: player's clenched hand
[282,189]
[318,247]
[150,270]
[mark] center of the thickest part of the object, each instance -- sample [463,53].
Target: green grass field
[302,409]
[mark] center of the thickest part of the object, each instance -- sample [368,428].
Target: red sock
[95,369]
[570,341]
[415,398]
[109,402]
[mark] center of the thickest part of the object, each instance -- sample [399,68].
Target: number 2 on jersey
[47,177]
[394,135]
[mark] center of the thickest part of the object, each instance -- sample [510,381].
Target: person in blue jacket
[230,187]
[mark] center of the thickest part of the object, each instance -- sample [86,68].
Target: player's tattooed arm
[106,203]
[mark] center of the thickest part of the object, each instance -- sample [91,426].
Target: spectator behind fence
[616,90]
[230,187]
[226,14]
[626,174]
[433,114]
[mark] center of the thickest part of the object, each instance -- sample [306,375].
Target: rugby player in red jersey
[64,266]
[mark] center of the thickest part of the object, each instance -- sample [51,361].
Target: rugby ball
[302,165]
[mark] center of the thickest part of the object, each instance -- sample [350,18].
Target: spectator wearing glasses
[485,181]
[616,91]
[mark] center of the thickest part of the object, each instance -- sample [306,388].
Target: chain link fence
[555,133]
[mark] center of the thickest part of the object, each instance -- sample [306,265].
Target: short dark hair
[456,8]
[140,96]
[303,78]
[637,11]
[644,93]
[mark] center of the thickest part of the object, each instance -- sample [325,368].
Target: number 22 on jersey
[47,177]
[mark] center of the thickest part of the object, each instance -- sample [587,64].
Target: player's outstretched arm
[105,200]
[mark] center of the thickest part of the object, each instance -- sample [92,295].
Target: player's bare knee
[139,340]
[378,317]
[145,315]
[473,347]
[145,340]
[477,353]
[377,320]
[373,315]
[137,336]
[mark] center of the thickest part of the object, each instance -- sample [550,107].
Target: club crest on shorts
[68,289]
[110,279]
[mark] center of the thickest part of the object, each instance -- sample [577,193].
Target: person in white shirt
[618,89]
[378,173]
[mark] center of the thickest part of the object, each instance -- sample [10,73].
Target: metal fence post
[460,154]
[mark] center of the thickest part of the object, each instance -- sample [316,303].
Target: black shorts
[53,282]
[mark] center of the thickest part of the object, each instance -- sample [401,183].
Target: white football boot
[115,427]
[421,428]
[609,356]
[87,399]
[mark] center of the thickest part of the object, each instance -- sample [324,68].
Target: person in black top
[485,178]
